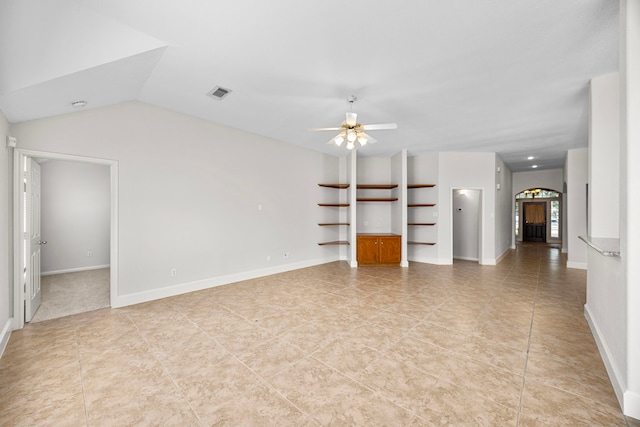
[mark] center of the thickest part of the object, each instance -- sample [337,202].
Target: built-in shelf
[421,243]
[421,223]
[337,242]
[334,185]
[377,199]
[376,186]
[417,205]
[420,185]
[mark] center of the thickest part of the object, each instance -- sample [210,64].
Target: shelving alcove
[412,224]
[334,224]
[378,248]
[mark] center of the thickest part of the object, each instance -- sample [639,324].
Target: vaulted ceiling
[456,75]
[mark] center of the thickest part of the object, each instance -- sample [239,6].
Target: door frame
[18,218]
[481,242]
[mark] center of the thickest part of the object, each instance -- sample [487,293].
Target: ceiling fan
[352,131]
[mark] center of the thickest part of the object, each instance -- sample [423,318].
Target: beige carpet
[73,293]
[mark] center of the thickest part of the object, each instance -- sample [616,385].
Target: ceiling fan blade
[380,126]
[352,119]
[316,129]
[370,140]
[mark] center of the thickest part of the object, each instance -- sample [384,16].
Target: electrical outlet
[286,255]
[174,272]
[89,253]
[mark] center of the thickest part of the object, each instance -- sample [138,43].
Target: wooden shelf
[339,205]
[324,224]
[376,199]
[337,242]
[334,185]
[420,185]
[376,186]
[421,243]
[417,205]
[421,223]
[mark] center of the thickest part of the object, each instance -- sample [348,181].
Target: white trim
[434,261]
[18,155]
[617,380]
[577,265]
[74,270]
[467,258]
[488,261]
[503,255]
[5,335]
[183,288]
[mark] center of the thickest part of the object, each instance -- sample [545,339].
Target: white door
[33,240]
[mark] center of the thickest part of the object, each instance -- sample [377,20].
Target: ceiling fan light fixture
[351,136]
[350,145]
[338,140]
[362,140]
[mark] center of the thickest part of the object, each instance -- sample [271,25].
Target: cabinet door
[390,249]
[367,250]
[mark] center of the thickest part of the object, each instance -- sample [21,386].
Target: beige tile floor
[458,345]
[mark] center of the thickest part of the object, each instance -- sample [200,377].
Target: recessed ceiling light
[530,158]
[78,104]
[534,166]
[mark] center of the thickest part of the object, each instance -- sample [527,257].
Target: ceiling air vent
[218,92]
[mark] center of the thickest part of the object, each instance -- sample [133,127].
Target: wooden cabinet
[378,249]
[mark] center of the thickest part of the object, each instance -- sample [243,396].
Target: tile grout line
[165,370]
[84,396]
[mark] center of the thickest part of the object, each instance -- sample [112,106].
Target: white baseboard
[74,270]
[617,381]
[504,254]
[183,288]
[577,265]
[466,258]
[5,335]
[424,260]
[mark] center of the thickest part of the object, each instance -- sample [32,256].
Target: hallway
[327,345]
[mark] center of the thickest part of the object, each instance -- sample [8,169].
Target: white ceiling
[456,75]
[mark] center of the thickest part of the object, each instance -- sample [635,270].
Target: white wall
[630,202]
[6,235]
[504,208]
[577,171]
[374,217]
[189,192]
[550,178]
[604,156]
[474,171]
[75,216]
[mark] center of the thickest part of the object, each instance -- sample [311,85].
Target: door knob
[42,242]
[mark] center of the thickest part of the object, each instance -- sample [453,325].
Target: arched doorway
[538,216]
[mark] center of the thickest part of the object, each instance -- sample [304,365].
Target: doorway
[22,290]
[467,224]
